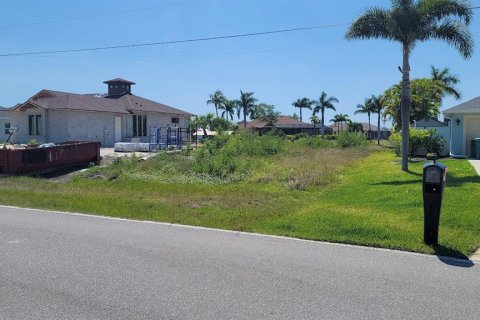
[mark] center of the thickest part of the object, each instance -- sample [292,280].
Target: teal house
[464,127]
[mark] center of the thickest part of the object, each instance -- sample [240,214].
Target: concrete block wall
[19,119]
[71,125]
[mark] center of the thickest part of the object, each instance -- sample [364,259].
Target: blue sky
[278,68]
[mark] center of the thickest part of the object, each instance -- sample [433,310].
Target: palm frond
[374,23]
[456,34]
[439,9]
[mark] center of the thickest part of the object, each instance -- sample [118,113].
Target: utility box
[434,181]
[477,148]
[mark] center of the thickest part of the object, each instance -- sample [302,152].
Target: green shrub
[224,156]
[316,142]
[396,142]
[330,137]
[301,135]
[351,139]
[419,138]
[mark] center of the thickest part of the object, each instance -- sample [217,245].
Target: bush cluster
[420,139]
[351,139]
[223,155]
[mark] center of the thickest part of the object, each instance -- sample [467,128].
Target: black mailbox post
[434,179]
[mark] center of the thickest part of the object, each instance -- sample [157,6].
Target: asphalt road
[60,266]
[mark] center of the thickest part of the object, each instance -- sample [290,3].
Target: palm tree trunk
[244,119]
[379,130]
[405,106]
[323,123]
[369,128]
[301,115]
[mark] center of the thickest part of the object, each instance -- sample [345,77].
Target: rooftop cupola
[119,86]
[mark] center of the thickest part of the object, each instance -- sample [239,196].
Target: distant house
[371,131]
[4,124]
[464,126]
[286,124]
[118,116]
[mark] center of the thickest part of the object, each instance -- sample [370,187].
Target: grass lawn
[349,196]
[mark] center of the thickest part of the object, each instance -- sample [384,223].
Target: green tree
[366,108]
[410,22]
[217,99]
[324,102]
[339,119]
[246,105]
[302,103]
[267,113]
[355,127]
[426,101]
[314,119]
[203,122]
[378,104]
[229,107]
[447,80]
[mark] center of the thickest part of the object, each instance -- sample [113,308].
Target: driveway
[64,266]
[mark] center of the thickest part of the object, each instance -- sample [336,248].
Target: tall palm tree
[217,99]
[323,103]
[302,103]
[410,22]
[229,107]
[246,105]
[378,104]
[366,108]
[447,80]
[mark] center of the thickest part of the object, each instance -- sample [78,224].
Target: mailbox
[434,180]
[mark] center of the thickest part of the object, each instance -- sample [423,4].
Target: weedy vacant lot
[309,188]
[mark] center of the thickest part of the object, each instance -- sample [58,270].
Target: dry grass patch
[303,168]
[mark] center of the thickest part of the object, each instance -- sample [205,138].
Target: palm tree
[203,122]
[315,120]
[323,103]
[217,99]
[339,119]
[355,127]
[410,22]
[447,80]
[246,105]
[366,108]
[303,103]
[229,107]
[378,104]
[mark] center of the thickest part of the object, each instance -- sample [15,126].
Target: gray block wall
[71,125]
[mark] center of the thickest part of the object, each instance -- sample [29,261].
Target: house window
[175,120]
[139,125]
[7,128]
[35,125]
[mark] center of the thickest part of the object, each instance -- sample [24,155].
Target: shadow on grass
[396,183]
[454,181]
[452,257]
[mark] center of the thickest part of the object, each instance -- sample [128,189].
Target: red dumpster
[62,155]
